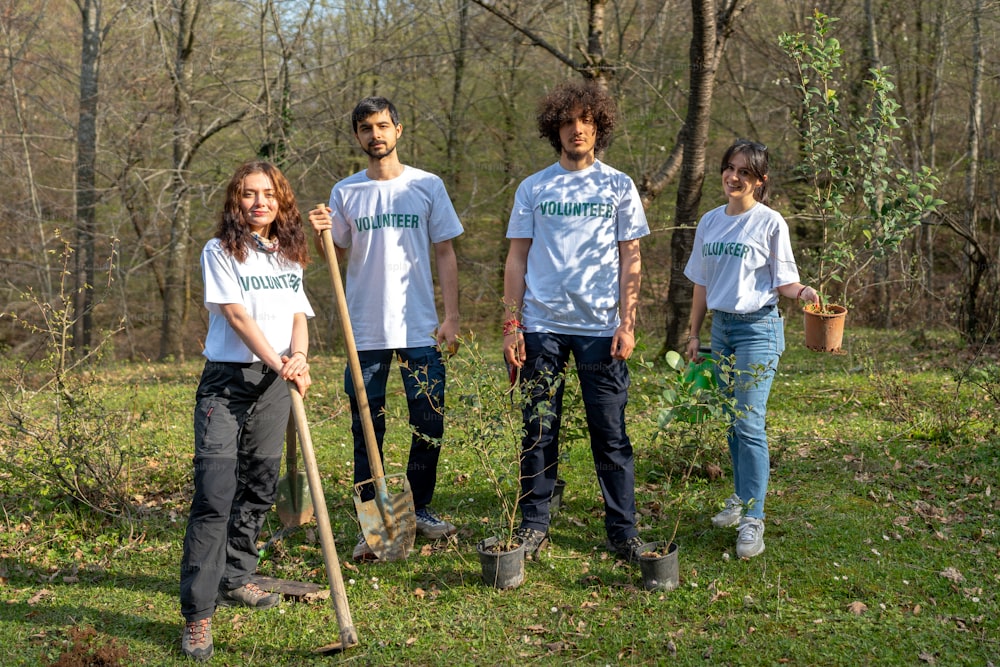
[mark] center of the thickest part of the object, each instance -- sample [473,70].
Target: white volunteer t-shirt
[742,260]
[269,287]
[575,220]
[389,227]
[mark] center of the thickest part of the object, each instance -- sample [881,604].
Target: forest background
[122,121]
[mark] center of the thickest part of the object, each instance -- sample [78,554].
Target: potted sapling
[859,201]
[487,419]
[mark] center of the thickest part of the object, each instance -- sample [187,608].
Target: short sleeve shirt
[575,220]
[268,286]
[389,228]
[742,260]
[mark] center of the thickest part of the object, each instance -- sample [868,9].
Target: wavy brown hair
[233,232]
[557,108]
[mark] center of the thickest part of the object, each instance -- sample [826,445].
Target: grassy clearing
[882,543]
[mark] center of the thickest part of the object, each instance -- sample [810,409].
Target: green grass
[882,543]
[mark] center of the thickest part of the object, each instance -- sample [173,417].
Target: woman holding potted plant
[741,263]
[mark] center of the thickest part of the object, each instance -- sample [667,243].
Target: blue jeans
[604,383]
[756,340]
[423,375]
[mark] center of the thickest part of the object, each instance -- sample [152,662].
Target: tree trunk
[177,272]
[86,158]
[709,35]
[455,116]
[17,109]
[976,263]
[880,269]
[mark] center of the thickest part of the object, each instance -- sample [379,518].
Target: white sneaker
[750,540]
[731,512]
[431,526]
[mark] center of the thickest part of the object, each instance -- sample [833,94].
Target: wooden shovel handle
[291,461]
[360,394]
[338,594]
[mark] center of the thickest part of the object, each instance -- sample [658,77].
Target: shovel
[294,503]
[338,594]
[388,521]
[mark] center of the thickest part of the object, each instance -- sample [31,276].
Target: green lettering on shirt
[387,221]
[577,209]
[731,248]
[259,283]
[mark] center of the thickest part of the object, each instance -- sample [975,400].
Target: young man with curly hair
[571,287]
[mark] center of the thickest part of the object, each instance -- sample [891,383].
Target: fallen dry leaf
[39,596]
[420,593]
[927,657]
[321,595]
[952,574]
[857,608]
[410,641]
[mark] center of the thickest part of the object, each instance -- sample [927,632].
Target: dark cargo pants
[240,417]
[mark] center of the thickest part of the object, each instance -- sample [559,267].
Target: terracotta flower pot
[825,329]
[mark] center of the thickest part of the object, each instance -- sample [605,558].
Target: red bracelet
[799,295]
[512,326]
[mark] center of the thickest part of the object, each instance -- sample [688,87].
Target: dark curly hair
[556,108]
[234,233]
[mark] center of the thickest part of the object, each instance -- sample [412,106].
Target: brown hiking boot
[197,640]
[248,595]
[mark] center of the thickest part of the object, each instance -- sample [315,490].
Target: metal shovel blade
[388,521]
[294,503]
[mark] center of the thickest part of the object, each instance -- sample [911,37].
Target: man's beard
[575,154]
[379,153]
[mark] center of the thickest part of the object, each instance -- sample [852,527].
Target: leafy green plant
[486,418]
[866,204]
[692,419]
[63,436]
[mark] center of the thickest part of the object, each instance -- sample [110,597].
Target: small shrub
[64,435]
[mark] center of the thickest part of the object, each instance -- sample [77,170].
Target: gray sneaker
[196,642]
[431,526]
[750,539]
[248,595]
[731,513]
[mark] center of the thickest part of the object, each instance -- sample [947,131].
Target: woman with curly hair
[571,287]
[257,342]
